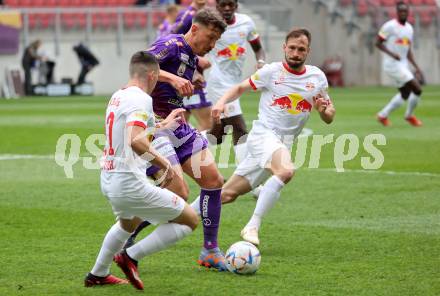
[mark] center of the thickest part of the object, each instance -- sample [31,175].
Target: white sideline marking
[24,156]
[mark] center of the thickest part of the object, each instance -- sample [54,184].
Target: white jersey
[123,172]
[228,55]
[398,39]
[287,96]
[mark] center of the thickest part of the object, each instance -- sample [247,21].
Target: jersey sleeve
[261,78]
[182,24]
[139,114]
[323,85]
[252,35]
[163,51]
[385,31]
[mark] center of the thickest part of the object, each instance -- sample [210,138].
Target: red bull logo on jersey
[292,103]
[233,51]
[403,41]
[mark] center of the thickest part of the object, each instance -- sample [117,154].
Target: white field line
[233,165]
[24,156]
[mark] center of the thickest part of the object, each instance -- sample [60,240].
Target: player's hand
[184,87]
[420,77]
[174,119]
[168,175]
[320,103]
[396,56]
[217,111]
[198,80]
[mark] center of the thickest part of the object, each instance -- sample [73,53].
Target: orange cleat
[93,280]
[129,267]
[383,120]
[414,121]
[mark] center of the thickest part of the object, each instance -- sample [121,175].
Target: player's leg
[160,206]
[202,168]
[413,100]
[400,75]
[234,187]
[239,134]
[203,117]
[178,185]
[112,244]
[282,170]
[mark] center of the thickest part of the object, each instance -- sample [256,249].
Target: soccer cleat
[93,280]
[212,258]
[384,120]
[413,121]
[129,267]
[250,234]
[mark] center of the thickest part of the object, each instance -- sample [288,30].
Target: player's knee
[193,220]
[214,181]
[286,175]
[228,196]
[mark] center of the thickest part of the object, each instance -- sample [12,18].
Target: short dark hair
[218,1]
[142,62]
[298,32]
[209,17]
[400,3]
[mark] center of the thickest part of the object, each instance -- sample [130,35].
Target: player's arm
[412,60]
[260,54]
[184,87]
[325,108]
[230,95]
[203,63]
[141,145]
[381,46]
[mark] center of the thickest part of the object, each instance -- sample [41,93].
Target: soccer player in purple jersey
[177,56]
[170,19]
[197,104]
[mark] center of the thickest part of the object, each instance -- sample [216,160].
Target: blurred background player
[177,56]
[170,19]
[129,122]
[196,104]
[394,40]
[228,57]
[289,90]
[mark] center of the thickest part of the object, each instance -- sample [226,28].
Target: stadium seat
[416,2]
[362,7]
[345,2]
[388,3]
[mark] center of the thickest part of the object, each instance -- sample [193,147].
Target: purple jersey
[183,21]
[174,56]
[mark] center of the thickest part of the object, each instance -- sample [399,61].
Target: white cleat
[256,192]
[250,234]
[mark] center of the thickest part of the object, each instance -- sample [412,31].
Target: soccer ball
[243,258]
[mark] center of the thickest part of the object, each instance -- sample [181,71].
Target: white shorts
[399,73]
[253,167]
[215,92]
[159,206]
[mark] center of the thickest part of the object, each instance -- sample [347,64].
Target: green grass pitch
[351,233]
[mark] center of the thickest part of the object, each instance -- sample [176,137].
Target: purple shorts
[197,101]
[185,140]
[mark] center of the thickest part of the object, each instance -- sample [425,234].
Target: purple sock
[210,208]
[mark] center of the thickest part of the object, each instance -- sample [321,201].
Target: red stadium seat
[362,7]
[388,2]
[345,2]
[416,2]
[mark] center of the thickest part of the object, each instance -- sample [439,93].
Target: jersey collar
[286,66]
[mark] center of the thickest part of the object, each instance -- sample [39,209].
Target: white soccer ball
[243,258]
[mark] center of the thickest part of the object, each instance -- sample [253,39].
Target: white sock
[267,199]
[112,244]
[395,103]
[413,100]
[196,205]
[161,238]
[240,152]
